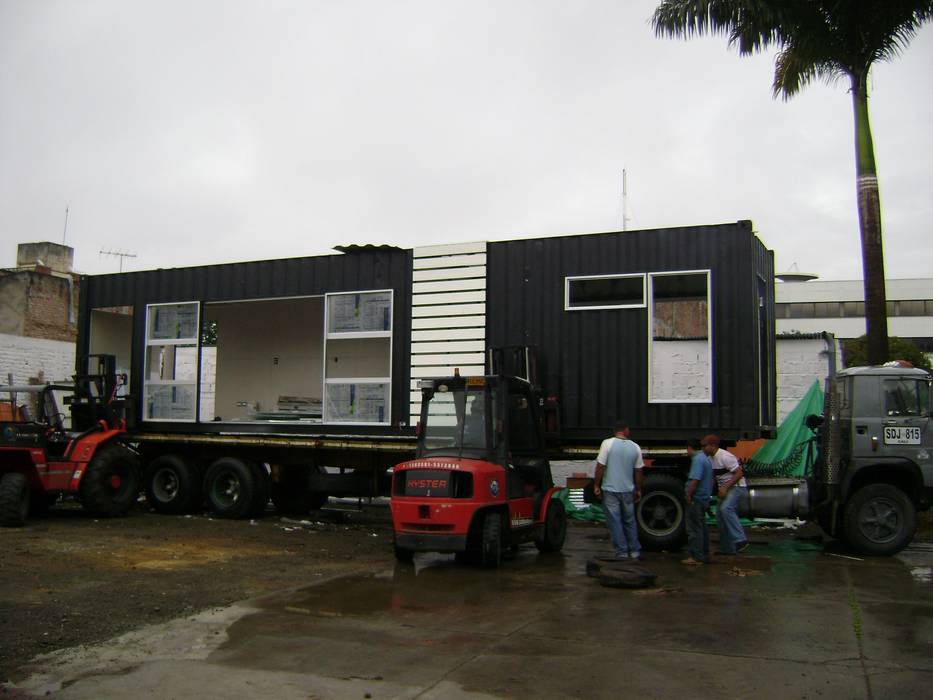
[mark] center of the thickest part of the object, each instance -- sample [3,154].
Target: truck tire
[491,544]
[173,484]
[14,499]
[879,519]
[230,488]
[110,484]
[555,528]
[660,513]
[262,491]
[291,494]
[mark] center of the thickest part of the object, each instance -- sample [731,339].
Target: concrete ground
[790,618]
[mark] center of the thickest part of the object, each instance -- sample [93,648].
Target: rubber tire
[660,513]
[291,494]
[555,528]
[14,499]
[173,484]
[879,501]
[263,489]
[97,493]
[229,487]
[491,543]
[402,554]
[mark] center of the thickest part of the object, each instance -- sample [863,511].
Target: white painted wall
[27,357]
[800,362]
[680,370]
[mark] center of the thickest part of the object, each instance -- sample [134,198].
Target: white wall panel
[449,261]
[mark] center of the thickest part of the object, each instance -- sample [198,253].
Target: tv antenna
[625,217]
[118,254]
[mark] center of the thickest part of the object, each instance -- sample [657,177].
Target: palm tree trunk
[869,217]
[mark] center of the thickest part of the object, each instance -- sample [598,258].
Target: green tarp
[789,453]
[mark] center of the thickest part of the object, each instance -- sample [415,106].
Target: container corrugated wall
[596,361]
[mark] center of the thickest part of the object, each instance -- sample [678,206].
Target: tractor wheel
[173,484]
[110,484]
[230,487]
[14,499]
[262,491]
[555,528]
[879,519]
[660,513]
[491,552]
[291,494]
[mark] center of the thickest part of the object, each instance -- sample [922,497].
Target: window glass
[171,371]
[611,291]
[522,433]
[361,312]
[906,397]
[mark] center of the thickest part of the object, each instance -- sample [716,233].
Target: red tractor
[40,461]
[481,482]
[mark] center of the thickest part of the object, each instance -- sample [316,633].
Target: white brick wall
[800,361]
[26,357]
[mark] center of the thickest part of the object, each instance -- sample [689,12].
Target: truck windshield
[456,420]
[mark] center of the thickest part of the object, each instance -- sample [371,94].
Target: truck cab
[877,455]
[481,482]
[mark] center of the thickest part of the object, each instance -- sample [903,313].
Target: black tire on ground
[491,544]
[262,491]
[110,484]
[402,554]
[291,494]
[41,501]
[173,484]
[555,528]
[229,487]
[660,513]
[14,499]
[879,519]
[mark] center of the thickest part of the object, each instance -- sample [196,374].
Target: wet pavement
[790,618]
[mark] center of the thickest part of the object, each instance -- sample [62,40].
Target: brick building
[38,313]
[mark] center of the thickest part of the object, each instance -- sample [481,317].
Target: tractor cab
[481,482]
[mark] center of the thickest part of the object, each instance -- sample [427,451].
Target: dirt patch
[68,579]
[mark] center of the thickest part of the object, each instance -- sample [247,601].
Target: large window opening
[170,385]
[111,333]
[604,292]
[679,338]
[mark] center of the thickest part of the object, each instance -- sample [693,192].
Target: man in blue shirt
[618,481]
[699,489]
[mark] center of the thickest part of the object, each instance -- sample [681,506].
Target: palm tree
[830,40]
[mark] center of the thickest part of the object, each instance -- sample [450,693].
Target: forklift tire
[491,552]
[230,488]
[879,519]
[555,528]
[402,554]
[263,489]
[110,484]
[660,513]
[291,494]
[173,485]
[14,499]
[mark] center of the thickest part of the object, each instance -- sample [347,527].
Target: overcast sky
[211,131]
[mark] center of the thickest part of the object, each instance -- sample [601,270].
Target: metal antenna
[118,254]
[624,200]
[65,232]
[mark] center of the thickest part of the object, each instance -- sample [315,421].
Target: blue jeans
[697,532]
[620,519]
[731,532]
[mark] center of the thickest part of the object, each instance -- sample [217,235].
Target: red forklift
[481,482]
[41,461]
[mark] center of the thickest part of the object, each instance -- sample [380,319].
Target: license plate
[901,435]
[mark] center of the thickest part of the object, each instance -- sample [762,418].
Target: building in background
[38,314]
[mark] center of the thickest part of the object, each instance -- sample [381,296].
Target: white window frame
[573,278]
[158,383]
[709,331]
[350,335]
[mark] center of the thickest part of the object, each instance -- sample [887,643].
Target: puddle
[922,574]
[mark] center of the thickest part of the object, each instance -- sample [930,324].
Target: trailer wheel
[14,499]
[262,491]
[291,494]
[230,487]
[879,519]
[111,482]
[660,513]
[555,528]
[173,484]
[491,552]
